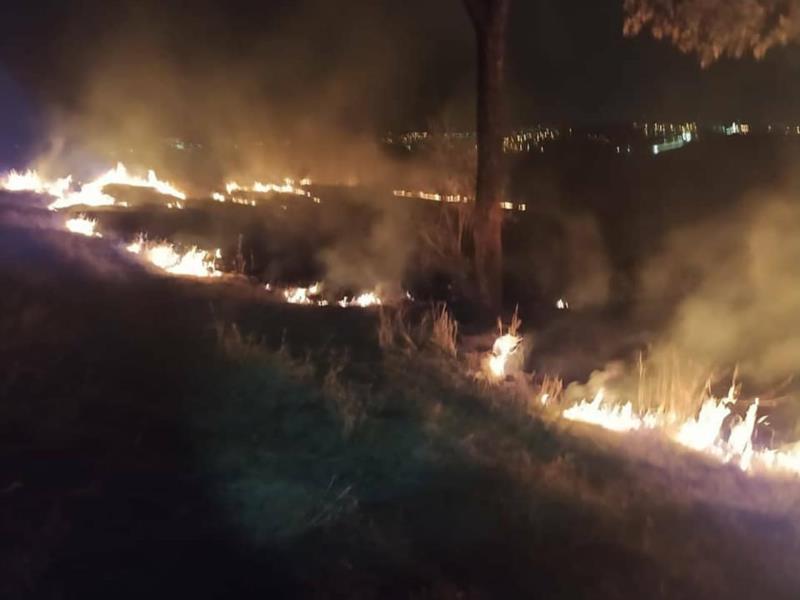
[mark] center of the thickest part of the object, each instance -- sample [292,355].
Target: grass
[444,333]
[176,439]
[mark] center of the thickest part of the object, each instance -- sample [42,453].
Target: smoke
[373,258]
[588,267]
[227,93]
[735,277]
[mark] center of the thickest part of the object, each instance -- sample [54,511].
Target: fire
[433,196]
[90,194]
[312,296]
[452,199]
[364,300]
[505,346]
[31,181]
[82,225]
[287,187]
[704,433]
[701,433]
[619,418]
[305,295]
[193,263]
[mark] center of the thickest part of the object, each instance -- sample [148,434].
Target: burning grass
[505,346]
[711,427]
[314,295]
[91,193]
[192,262]
[82,225]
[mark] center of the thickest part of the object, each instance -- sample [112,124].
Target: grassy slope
[147,447]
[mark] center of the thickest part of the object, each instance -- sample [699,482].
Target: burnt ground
[173,438]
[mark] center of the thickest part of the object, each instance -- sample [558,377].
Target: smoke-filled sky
[370,64]
[308,86]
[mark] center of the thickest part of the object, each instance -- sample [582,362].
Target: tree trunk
[490,18]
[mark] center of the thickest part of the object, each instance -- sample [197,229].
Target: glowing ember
[433,196]
[82,226]
[452,199]
[193,263]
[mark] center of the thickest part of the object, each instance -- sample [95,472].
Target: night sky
[372,65]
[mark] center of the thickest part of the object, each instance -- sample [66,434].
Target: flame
[614,418]
[312,296]
[218,197]
[193,263]
[287,187]
[451,198]
[504,347]
[90,194]
[82,225]
[433,196]
[562,304]
[364,300]
[305,295]
[703,433]
[31,181]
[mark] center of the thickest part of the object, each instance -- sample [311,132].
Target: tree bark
[490,18]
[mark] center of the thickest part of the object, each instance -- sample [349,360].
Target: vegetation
[241,447]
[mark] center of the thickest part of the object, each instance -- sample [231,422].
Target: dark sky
[371,64]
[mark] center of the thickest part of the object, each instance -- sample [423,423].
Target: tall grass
[670,383]
[444,333]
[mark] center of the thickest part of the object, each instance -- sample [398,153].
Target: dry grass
[394,332]
[669,383]
[550,391]
[513,327]
[345,403]
[444,332]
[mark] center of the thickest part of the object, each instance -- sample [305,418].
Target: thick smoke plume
[293,97]
[737,276]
